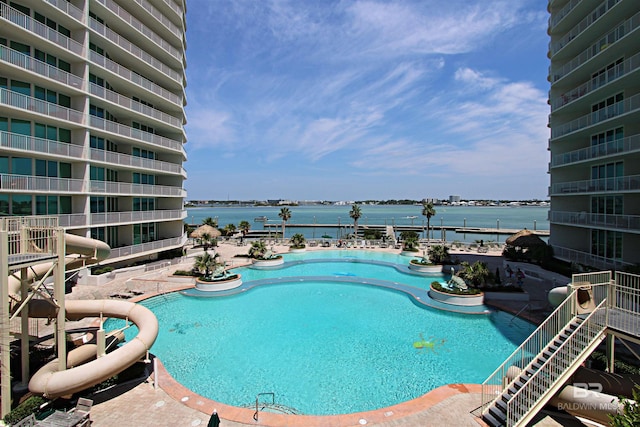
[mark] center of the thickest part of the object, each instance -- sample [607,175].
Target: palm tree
[438,254]
[211,221]
[285,214]
[229,229]
[428,211]
[258,249]
[477,274]
[244,226]
[204,263]
[297,241]
[355,214]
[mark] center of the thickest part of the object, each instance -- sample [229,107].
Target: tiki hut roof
[525,239]
[205,229]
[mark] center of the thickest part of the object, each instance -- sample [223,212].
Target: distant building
[454,199]
[595,131]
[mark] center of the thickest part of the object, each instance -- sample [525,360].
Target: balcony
[18,18]
[629,223]
[135,78]
[626,106]
[129,189]
[28,103]
[39,184]
[582,25]
[143,29]
[627,145]
[134,50]
[129,132]
[26,143]
[115,218]
[605,185]
[130,104]
[603,43]
[160,17]
[156,246]
[562,13]
[612,74]
[585,258]
[135,162]
[68,8]
[28,63]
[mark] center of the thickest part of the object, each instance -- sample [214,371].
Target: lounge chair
[27,422]
[83,407]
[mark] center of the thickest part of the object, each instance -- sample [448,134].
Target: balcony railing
[24,102]
[619,108]
[620,31]
[612,74]
[20,19]
[136,216]
[583,25]
[135,162]
[586,258]
[128,131]
[618,222]
[619,146]
[73,220]
[158,245]
[605,185]
[130,104]
[173,6]
[135,50]
[166,22]
[126,188]
[68,8]
[143,29]
[135,78]
[28,63]
[28,183]
[14,141]
[562,13]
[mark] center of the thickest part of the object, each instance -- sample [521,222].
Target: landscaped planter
[273,262]
[219,285]
[426,269]
[297,250]
[456,299]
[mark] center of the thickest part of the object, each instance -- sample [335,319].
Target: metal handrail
[273,402]
[556,368]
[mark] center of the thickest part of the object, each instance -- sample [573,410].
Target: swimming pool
[325,347]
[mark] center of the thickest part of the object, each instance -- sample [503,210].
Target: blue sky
[355,100]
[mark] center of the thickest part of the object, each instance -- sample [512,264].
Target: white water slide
[84,369]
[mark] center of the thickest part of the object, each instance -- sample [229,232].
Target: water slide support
[59,295]
[5,354]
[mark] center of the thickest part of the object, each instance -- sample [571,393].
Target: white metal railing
[24,21]
[135,50]
[166,22]
[559,16]
[625,106]
[620,31]
[494,385]
[173,6]
[554,369]
[72,220]
[619,146]
[135,78]
[30,235]
[598,11]
[624,300]
[130,104]
[21,183]
[135,161]
[124,188]
[28,63]
[611,74]
[68,8]
[128,131]
[620,222]
[18,100]
[143,29]
[586,258]
[128,251]
[622,183]
[136,216]
[14,141]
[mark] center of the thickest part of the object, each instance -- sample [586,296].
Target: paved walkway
[173,405]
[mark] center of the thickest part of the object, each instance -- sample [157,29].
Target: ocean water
[499,217]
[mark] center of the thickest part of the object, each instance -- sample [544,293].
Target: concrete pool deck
[172,404]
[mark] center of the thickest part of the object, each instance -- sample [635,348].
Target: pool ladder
[273,405]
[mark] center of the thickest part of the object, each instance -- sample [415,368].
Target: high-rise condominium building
[595,131]
[91,119]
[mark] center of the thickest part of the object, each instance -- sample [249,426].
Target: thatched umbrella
[525,239]
[205,230]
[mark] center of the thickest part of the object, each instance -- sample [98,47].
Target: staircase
[539,368]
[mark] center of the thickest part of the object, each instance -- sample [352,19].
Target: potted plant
[262,256]
[297,243]
[213,275]
[409,243]
[431,261]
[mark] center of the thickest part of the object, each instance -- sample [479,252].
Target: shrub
[101,270]
[631,412]
[23,410]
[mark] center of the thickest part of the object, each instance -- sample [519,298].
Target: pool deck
[169,403]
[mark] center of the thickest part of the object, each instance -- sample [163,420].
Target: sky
[365,99]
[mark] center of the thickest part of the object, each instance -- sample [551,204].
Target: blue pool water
[325,347]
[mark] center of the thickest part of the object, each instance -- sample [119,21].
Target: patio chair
[27,422]
[83,407]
